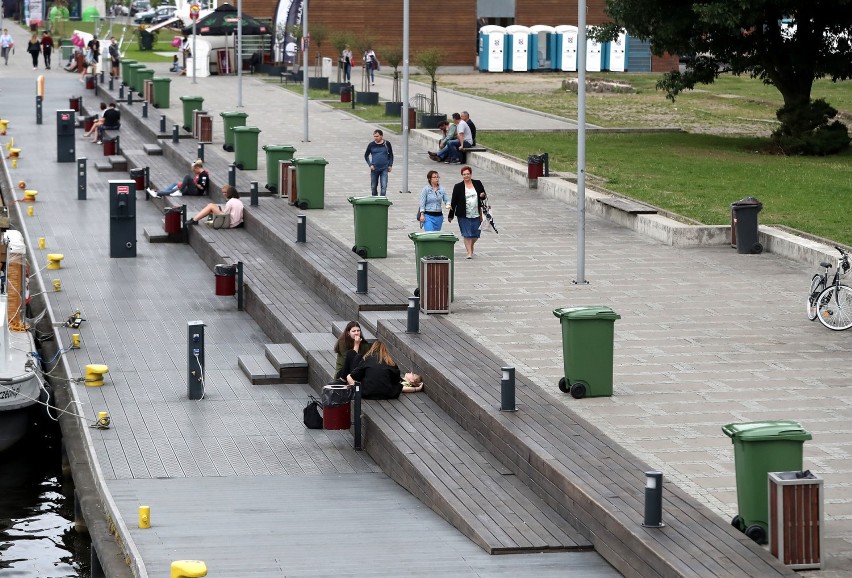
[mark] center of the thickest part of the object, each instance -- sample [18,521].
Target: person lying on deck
[380,376]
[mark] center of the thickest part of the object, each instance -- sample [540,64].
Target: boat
[20,386]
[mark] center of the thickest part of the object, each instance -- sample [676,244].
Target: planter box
[393,109]
[334,87]
[431,120]
[318,83]
[367,97]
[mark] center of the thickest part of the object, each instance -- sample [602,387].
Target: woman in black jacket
[380,377]
[466,204]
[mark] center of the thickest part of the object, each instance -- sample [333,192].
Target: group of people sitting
[455,137]
[108,119]
[371,365]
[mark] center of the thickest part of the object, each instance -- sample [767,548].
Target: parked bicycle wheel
[834,307]
[817,287]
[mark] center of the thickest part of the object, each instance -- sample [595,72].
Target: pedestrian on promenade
[7,44]
[114,58]
[232,213]
[350,340]
[34,48]
[380,377]
[194,184]
[371,64]
[433,198]
[379,157]
[466,204]
[46,48]
[346,58]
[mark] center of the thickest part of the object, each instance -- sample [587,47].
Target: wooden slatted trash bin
[435,283]
[796,518]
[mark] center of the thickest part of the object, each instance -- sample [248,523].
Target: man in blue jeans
[379,156]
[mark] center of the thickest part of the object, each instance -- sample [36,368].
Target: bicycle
[832,303]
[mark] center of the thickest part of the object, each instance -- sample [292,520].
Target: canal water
[37,535]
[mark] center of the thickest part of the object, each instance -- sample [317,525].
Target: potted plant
[319,34]
[393,56]
[340,40]
[429,59]
[362,44]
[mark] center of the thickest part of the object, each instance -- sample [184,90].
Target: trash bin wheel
[417,291]
[737,522]
[362,252]
[578,390]
[302,204]
[563,385]
[271,188]
[757,533]
[756,249]
[228,148]
[239,165]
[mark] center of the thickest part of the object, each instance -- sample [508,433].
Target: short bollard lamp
[653,500]
[507,390]
[413,321]
[361,286]
[301,228]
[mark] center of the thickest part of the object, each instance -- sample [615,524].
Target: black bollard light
[199,151]
[507,390]
[356,430]
[102,76]
[301,228]
[361,282]
[144,110]
[110,84]
[95,88]
[413,324]
[118,144]
[253,194]
[175,133]
[121,92]
[81,179]
[163,124]
[130,96]
[653,500]
[232,175]
[239,285]
[39,101]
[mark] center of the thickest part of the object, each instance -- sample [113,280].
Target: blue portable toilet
[566,48]
[517,48]
[616,54]
[594,53]
[542,47]
[492,44]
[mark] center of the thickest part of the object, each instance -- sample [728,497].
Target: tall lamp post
[405,75]
[581,143]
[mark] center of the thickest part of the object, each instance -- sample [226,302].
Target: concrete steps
[279,363]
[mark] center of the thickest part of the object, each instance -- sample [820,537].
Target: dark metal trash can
[335,407]
[74,103]
[538,166]
[226,280]
[138,175]
[171,223]
[346,94]
[90,82]
[744,230]
[110,146]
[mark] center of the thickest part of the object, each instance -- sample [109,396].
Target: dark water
[37,536]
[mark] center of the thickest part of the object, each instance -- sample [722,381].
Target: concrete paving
[707,336]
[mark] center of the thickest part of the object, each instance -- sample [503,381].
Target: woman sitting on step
[350,340]
[229,217]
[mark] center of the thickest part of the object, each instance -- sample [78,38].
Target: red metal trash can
[336,411]
[138,175]
[171,224]
[90,83]
[74,103]
[346,94]
[109,147]
[535,166]
[226,280]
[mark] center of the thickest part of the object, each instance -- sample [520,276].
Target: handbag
[311,414]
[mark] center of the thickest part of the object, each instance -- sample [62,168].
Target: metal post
[507,390]
[301,228]
[130,96]
[194,22]
[546,164]
[110,84]
[145,109]
[239,48]
[306,41]
[361,285]
[405,95]
[195,360]
[653,500]
[163,124]
[81,179]
[253,192]
[121,92]
[95,85]
[102,76]
[175,133]
[581,143]
[39,101]
[199,151]
[413,325]
[356,430]
[232,175]
[239,285]
[117,144]
[147,180]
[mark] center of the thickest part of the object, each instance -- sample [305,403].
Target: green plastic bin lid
[586,312]
[163,79]
[233,114]
[757,431]
[192,98]
[377,200]
[432,236]
[309,160]
[246,129]
[279,148]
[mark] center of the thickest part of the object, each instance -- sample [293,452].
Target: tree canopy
[785,43]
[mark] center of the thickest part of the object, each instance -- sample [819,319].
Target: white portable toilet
[492,44]
[617,53]
[517,52]
[594,53]
[566,48]
[542,47]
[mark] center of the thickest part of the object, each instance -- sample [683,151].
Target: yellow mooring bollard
[30,196]
[30,210]
[54,260]
[3,124]
[103,420]
[188,569]
[95,374]
[144,516]
[57,285]
[41,242]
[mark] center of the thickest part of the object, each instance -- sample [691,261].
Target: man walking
[6,45]
[379,156]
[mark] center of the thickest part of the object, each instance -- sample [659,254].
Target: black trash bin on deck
[744,230]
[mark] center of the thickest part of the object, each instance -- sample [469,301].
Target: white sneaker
[176,194]
[152,192]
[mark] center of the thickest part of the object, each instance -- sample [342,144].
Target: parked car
[160,14]
[137,6]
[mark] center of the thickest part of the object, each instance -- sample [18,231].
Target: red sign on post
[193,11]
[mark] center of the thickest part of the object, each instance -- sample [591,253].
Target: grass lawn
[162,43]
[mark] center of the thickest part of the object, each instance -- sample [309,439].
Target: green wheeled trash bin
[761,447]
[274,154]
[371,226]
[245,147]
[125,72]
[435,243]
[190,103]
[161,91]
[587,343]
[230,121]
[310,182]
[744,230]
[132,69]
[142,75]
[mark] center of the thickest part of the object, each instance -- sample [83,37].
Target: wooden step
[305,342]
[152,149]
[258,369]
[292,367]
[118,162]
[104,166]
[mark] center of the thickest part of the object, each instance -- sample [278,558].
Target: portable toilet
[517,52]
[594,53]
[492,44]
[616,54]
[542,47]
[566,48]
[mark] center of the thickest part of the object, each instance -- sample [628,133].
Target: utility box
[66,148]
[796,519]
[435,282]
[122,219]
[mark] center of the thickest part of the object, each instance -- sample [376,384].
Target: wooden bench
[294,77]
[628,206]
[473,149]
